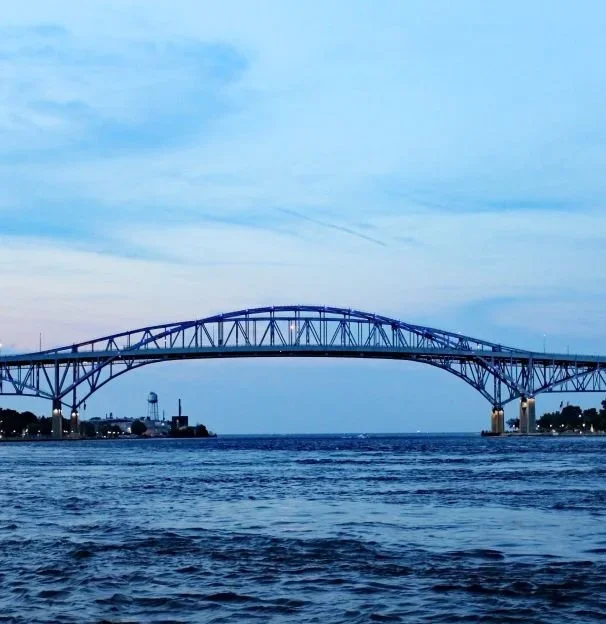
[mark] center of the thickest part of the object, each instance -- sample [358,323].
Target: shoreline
[543,434]
[108,439]
[487,434]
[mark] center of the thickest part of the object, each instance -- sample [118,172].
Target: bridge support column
[524,415]
[75,423]
[532,415]
[57,420]
[497,419]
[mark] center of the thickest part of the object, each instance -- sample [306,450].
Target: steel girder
[71,374]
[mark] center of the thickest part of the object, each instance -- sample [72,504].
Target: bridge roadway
[391,353]
[69,375]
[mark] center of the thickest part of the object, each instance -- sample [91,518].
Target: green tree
[46,425]
[88,429]
[138,427]
[590,418]
[110,431]
[513,423]
[13,423]
[573,418]
[67,425]
[201,431]
[34,429]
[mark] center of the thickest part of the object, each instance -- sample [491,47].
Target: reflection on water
[304,529]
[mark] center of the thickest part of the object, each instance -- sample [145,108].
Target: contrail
[332,226]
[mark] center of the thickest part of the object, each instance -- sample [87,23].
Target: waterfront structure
[531,408]
[103,424]
[528,419]
[152,406]
[155,428]
[69,375]
[180,421]
[497,420]
[57,420]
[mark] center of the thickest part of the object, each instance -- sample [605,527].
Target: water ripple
[304,529]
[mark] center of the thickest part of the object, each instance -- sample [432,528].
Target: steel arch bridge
[70,375]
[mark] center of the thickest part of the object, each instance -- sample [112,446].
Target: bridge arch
[72,373]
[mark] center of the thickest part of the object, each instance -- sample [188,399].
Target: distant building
[104,425]
[156,428]
[179,421]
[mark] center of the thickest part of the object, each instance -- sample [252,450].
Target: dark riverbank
[543,434]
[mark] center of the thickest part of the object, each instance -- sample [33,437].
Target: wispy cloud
[446,199]
[332,226]
[74,99]
[122,131]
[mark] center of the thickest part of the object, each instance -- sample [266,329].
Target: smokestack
[179,407]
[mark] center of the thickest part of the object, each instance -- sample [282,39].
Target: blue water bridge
[69,375]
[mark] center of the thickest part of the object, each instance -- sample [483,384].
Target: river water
[408,528]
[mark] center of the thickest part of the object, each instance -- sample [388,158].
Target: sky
[438,162]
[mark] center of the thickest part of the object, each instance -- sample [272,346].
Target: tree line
[569,418]
[14,424]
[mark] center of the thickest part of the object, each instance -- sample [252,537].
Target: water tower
[152,406]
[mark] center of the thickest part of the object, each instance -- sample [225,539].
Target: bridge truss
[70,375]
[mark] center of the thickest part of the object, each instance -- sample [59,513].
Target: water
[304,529]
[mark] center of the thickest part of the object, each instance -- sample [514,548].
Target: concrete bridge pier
[75,423]
[528,415]
[523,415]
[532,415]
[497,419]
[57,420]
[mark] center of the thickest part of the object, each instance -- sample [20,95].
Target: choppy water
[304,529]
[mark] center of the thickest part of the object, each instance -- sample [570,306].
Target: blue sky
[439,162]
